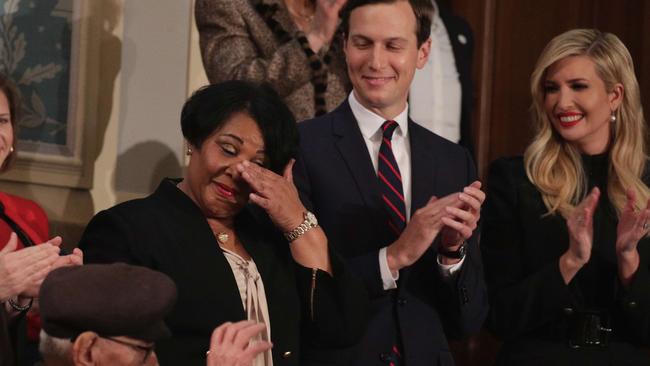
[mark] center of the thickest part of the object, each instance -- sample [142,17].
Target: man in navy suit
[400,203]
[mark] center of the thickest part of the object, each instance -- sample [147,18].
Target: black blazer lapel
[207,270]
[424,167]
[351,145]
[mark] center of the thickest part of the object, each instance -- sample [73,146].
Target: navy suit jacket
[337,181]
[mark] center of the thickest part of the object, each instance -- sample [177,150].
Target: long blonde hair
[555,166]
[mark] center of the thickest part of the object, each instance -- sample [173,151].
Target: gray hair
[53,347]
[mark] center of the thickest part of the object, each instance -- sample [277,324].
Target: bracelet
[21,308]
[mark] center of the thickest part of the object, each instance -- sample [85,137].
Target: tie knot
[388,128]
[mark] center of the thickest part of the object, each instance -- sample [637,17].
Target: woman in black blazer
[565,227]
[232,260]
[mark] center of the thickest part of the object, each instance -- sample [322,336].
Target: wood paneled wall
[510,35]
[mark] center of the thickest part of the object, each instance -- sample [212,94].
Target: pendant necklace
[222,238]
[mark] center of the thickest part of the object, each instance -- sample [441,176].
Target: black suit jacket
[167,232]
[337,181]
[531,306]
[12,338]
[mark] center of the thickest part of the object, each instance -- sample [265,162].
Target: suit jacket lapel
[424,163]
[202,251]
[350,143]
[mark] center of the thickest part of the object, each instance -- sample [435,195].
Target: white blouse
[253,297]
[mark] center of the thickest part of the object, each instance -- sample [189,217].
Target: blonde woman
[564,239]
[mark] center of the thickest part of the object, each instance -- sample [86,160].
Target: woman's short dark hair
[210,107]
[10,91]
[423,10]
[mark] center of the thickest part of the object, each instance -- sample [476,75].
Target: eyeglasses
[148,350]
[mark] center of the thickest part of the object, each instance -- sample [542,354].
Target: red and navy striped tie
[390,181]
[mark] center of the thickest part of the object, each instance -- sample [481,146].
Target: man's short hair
[55,347]
[423,10]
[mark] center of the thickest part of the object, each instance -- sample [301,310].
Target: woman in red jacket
[23,264]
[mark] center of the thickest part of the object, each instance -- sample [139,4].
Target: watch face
[311,219]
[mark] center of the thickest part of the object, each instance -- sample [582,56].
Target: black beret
[109,299]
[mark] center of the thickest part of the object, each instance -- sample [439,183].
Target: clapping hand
[581,228]
[22,271]
[231,344]
[462,221]
[581,235]
[632,225]
[326,20]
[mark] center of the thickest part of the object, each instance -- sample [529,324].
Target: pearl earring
[189,151]
[612,118]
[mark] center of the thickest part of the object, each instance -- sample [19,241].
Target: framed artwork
[48,48]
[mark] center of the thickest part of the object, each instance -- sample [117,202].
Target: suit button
[568,310]
[286,355]
[465,296]
[383,357]
[401,301]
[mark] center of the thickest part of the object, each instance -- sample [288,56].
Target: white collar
[370,122]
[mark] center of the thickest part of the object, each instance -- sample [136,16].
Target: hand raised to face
[276,194]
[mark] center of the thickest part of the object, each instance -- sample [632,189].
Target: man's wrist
[393,259]
[453,254]
[448,261]
[628,257]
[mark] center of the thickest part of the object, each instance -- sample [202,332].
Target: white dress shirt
[370,125]
[435,95]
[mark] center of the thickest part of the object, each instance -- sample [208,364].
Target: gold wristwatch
[309,223]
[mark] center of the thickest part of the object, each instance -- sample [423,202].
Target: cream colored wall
[125,100]
[196,77]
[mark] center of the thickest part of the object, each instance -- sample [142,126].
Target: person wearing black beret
[104,314]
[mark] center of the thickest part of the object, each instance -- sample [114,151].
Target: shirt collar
[370,122]
[436,13]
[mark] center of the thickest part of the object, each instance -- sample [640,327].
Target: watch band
[19,307]
[455,254]
[308,223]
